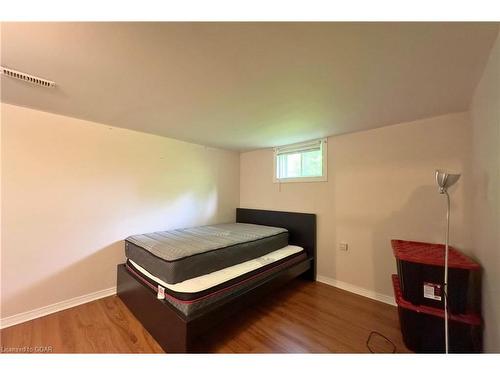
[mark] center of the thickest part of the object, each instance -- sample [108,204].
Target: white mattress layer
[210,280]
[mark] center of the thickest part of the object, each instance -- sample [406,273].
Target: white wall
[72,190]
[380,186]
[485,115]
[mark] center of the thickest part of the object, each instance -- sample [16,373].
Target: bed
[179,284]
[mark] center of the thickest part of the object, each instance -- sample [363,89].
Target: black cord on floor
[372,333]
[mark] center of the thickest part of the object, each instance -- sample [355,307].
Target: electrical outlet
[343,246]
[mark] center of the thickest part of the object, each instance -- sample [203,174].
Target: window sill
[300,179]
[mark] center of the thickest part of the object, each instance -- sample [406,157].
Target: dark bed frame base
[174,332]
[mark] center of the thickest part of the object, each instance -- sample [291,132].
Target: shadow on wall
[56,288]
[491,262]
[97,270]
[419,215]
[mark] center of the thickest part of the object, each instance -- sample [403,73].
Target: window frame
[324,163]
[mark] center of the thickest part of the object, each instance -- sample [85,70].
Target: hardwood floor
[304,318]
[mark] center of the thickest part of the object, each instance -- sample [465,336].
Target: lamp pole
[446,271]
[444,181]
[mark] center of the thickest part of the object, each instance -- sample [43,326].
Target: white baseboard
[357,290]
[63,305]
[50,309]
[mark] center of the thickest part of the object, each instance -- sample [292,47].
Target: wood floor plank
[303,318]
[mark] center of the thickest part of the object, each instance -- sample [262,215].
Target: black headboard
[301,226]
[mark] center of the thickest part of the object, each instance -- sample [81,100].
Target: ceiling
[244,86]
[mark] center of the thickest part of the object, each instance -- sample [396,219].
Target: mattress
[178,255]
[190,296]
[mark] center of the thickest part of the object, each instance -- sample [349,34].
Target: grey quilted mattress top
[182,243]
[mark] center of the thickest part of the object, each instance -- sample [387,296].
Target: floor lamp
[444,181]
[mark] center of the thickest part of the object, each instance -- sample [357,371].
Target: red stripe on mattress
[168,296]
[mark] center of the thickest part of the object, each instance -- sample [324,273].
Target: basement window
[301,162]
